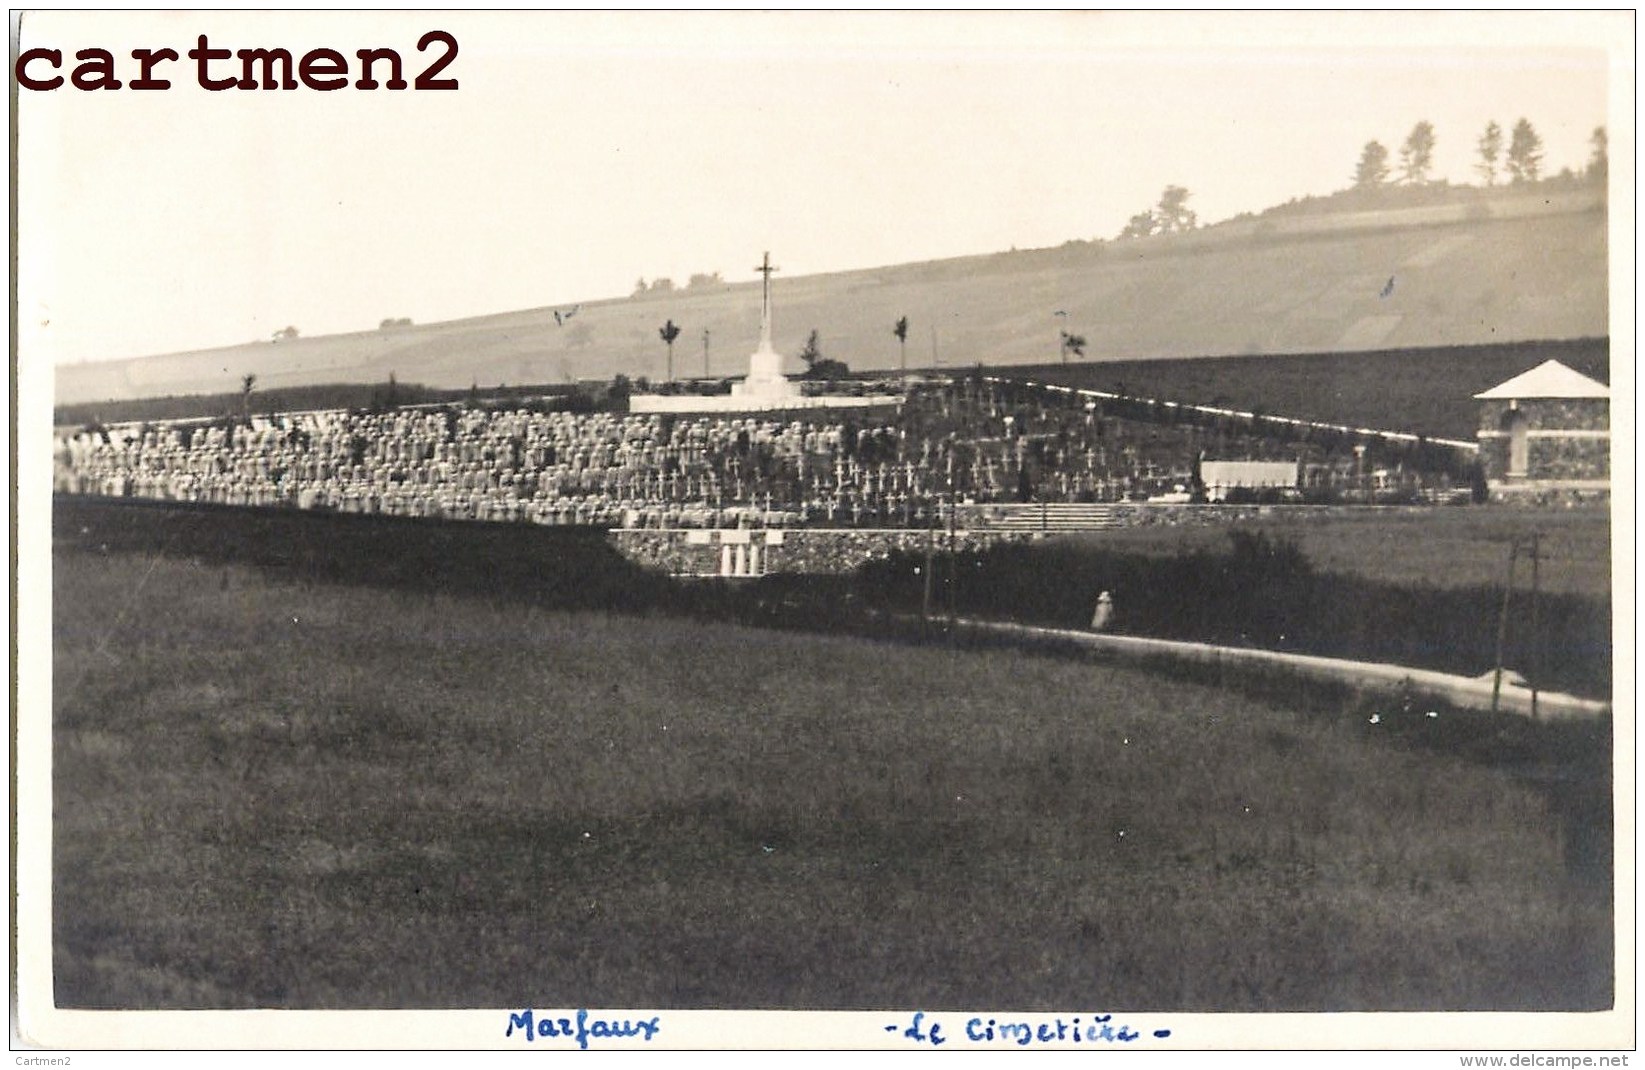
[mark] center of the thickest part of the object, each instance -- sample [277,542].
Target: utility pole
[1502,624]
[1536,646]
[705,352]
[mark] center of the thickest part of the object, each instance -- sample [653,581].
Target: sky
[582,152]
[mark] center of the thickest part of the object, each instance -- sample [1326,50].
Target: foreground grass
[269,794]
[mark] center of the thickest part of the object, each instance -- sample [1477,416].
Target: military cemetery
[1213,618]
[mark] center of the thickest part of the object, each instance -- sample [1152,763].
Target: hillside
[1502,267]
[1424,391]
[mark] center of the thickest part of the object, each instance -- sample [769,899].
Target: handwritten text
[1098,1029]
[583,1028]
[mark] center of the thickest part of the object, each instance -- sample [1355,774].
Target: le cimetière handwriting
[928,1030]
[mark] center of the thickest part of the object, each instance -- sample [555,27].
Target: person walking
[1104,613]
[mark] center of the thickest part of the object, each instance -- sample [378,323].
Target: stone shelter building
[1546,430]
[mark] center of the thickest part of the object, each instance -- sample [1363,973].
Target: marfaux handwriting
[584,1028]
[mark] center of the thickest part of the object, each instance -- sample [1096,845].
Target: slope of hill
[1426,391]
[1504,268]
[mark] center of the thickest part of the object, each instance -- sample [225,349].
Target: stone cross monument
[765,269]
[765,365]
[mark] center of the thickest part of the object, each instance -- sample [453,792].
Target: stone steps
[1050,516]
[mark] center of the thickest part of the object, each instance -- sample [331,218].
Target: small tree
[662,286]
[285,334]
[640,286]
[1599,159]
[818,366]
[1140,225]
[1372,170]
[669,332]
[1489,147]
[1416,156]
[827,368]
[1174,215]
[812,352]
[901,331]
[1524,153]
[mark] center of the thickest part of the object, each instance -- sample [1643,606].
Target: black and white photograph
[898,530]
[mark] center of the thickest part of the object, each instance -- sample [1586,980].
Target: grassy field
[1535,272]
[1420,590]
[282,790]
[1442,548]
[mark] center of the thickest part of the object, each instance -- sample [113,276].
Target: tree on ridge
[1416,156]
[1173,214]
[1489,147]
[1599,161]
[1372,170]
[1524,153]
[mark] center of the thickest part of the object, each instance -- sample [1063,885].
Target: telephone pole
[1502,623]
[1536,646]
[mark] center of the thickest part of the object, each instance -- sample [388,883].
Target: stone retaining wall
[1172,515]
[757,551]
[754,552]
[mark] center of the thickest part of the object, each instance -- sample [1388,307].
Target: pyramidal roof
[1550,379]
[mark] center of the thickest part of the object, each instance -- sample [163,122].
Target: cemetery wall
[757,551]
